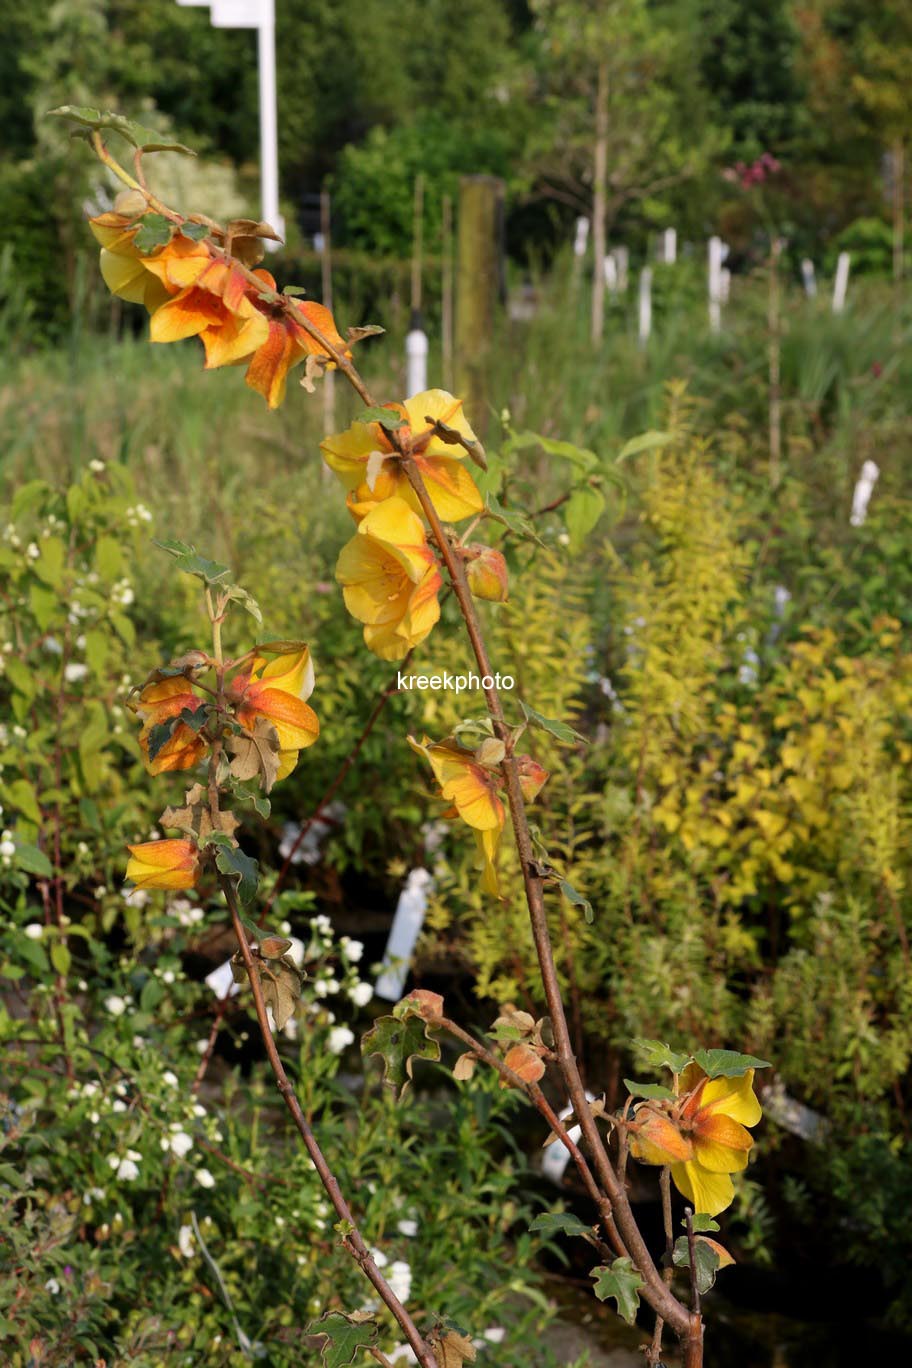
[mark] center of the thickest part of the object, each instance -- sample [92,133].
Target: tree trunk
[600,171]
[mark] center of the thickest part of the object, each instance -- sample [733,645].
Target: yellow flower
[276,690]
[703,1137]
[366,462]
[122,267]
[713,1117]
[159,703]
[472,788]
[163,864]
[390,579]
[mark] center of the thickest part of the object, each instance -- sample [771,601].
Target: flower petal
[707,1192]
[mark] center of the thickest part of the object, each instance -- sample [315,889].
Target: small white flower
[168,976]
[199,1109]
[205,1178]
[127,1171]
[400,1279]
[340,1037]
[135,897]
[94,1117]
[96,466]
[285,928]
[408,1228]
[8,849]
[118,1105]
[379,1258]
[34,930]
[201,1046]
[75,671]
[353,949]
[171,1079]
[115,1005]
[181,1144]
[320,987]
[185,1241]
[403,1353]
[52,1286]
[33,551]
[495,1335]
[361,994]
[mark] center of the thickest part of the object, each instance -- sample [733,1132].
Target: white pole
[403,934]
[645,319]
[670,246]
[622,257]
[269,135]
[416,354]
[611,273]
[715,283]
[582,237]
[841,283]
[808,277]
[861,495]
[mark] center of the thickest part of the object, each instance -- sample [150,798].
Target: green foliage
[621,1282]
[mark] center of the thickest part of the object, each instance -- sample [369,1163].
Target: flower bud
[131,203]
[486,571]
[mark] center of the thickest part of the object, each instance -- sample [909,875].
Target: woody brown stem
[352,1239]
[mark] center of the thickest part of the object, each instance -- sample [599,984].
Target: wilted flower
[390,579]
[163,864]
[276,690]
[160,703]
[286,342]
[473,790]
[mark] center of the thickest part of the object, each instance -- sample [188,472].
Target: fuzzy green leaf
[562,731]
[345,1336]
[240,868]
[399,1042]
[656,1092]
[659,1055]
[560,1223]
[706,1261]
[622,1282]
[727,1063]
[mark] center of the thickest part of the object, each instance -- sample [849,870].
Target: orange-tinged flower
[390,579]
[213,306]
[473,790]
[714,1116]
[276,690]
[163,864]
[358,457]
[122,268]
[160,703]
[286,343]
[532,777]
[655,1139]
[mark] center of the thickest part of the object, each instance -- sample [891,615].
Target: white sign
[841,283]
[238,13]
[645,319]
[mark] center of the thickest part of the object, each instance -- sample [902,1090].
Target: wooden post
[899,216]
[417,244]
[775,398]
[599,174]
[329,380]
[446,287]
[478,278]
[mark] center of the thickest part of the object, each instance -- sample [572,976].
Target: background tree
[623,118]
